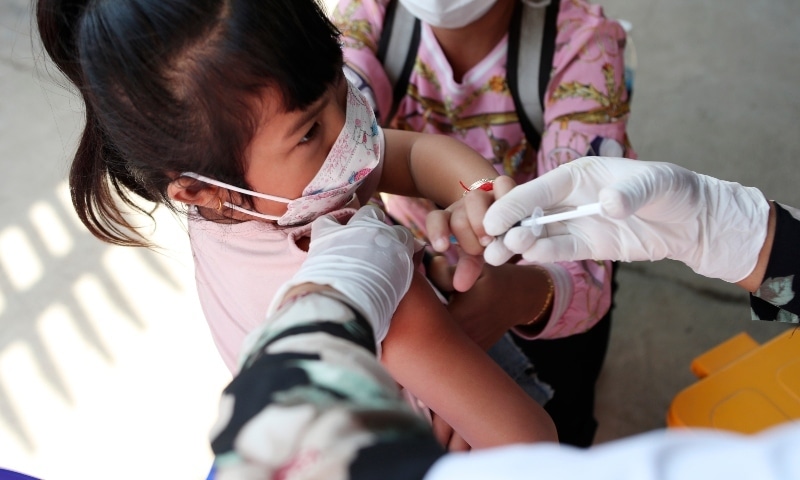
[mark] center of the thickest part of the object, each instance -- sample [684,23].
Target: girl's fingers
[438,225]
[462,229]
[475,206]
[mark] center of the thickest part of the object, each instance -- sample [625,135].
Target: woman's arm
[427,353]
[524,290]
[774,280]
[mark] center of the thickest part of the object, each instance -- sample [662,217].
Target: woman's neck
[465,47]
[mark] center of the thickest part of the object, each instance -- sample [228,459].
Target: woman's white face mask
[448,13]
[356,152]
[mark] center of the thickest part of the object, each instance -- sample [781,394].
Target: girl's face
[289,148]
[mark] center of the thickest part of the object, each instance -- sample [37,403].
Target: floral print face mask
[354,155]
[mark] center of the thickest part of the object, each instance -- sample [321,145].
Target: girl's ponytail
[98,182]
[98,177]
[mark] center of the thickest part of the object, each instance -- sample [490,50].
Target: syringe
[539,219]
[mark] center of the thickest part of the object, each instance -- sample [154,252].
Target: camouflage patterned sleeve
[311,401]
[776,299]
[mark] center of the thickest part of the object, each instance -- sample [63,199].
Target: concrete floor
[107,371]
[715,91]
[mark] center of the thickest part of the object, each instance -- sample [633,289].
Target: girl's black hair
[174,85]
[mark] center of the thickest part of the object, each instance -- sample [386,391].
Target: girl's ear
[186,190]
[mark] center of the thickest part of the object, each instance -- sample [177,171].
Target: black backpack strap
[531,46]
[397,49]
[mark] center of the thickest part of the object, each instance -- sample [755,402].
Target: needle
[539,219]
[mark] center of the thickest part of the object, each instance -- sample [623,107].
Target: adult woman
[460,86]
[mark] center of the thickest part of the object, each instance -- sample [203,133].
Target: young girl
[239,109]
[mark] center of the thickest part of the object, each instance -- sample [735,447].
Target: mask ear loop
[246,192]
[211,181]
[264,215]
[251,212]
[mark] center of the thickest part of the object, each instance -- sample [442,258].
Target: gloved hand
[366,260]
[650,211]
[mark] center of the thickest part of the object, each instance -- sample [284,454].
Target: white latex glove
[366,260]
[650,211]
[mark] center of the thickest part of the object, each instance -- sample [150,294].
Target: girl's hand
[462,222]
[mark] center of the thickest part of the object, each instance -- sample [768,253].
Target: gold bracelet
[548,301]
[485,184]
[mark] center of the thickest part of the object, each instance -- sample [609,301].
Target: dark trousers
[571,366]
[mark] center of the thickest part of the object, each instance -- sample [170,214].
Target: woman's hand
[462,222]
[501,298]
[650,211]
[448,437]
[378,258]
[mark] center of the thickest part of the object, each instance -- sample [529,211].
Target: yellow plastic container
[744,387]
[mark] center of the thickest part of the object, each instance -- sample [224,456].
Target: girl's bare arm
[430,166]
[427,353]
[439,168]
